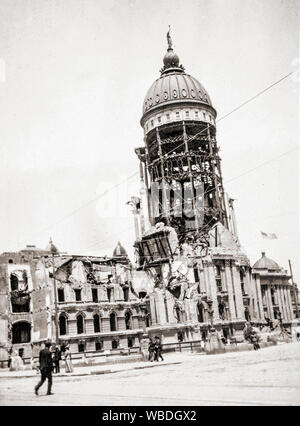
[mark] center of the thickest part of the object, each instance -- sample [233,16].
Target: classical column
[251,289]
[153,309]
[160,307]
[238,293]
[206,278]
[213,289]
[278,290]
[284,310]
[290,303]
[270,304]
[230,290]
[259,297]
[202,277]
[287,304]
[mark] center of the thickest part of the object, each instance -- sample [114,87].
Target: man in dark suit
[46,366]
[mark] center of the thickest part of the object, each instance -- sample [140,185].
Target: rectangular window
[196,114]
[130,342]
[151,123]
[126,293]
[95,295]
[81,347]
[115,344]
[109,290]
[159,119]
[78,295]
[98,346]
[196,274]
[61,295]
[177,115]
[168,116]
[219,284]
[187,114]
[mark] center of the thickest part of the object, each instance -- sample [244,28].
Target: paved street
[270,376]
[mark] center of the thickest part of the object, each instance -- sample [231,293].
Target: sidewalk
[169,359]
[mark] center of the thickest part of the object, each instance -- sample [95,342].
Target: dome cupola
[265,263]
[175,95]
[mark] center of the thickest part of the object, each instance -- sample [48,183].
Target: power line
[87,204]
[188,139]
[258,94]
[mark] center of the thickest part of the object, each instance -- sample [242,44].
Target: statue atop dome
[169,39]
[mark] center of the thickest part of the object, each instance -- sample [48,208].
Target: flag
[268,236]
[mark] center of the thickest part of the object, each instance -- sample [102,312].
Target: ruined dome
[265,263]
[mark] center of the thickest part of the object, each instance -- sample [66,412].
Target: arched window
[14,282]
[113,322]
[200,312]
[128,320]
[21,332]
[96,323]
[80,324]
[62,325]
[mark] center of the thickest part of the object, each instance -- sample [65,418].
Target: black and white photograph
[149,206]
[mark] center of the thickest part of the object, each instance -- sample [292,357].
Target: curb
[99,372]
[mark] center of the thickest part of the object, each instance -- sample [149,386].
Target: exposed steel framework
[184,154]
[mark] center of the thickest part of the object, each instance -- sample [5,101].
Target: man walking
[46,366]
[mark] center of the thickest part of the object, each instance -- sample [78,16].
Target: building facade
[187,240]
[190,273]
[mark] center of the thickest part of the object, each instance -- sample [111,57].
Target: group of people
[49,361]
[155,349]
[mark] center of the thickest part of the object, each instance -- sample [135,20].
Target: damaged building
[94,304]
[187,241]
[190,270]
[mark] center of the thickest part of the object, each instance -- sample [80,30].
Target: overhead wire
[189,138]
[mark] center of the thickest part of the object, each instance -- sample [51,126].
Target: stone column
[213,289]
[256,278]
[253,296]
[238,293]
[153,308]
[201,277]
[283,307]
[206,279]
[269,301]
[232,313]
[160,307]
[280,304]
[290,303]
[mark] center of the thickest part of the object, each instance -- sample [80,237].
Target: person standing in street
[56,359]
[158,349]
[151,350]
[46,367]
[69,366]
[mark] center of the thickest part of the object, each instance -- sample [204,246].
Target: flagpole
[294,290]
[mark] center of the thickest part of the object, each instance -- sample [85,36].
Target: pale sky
[73,76]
